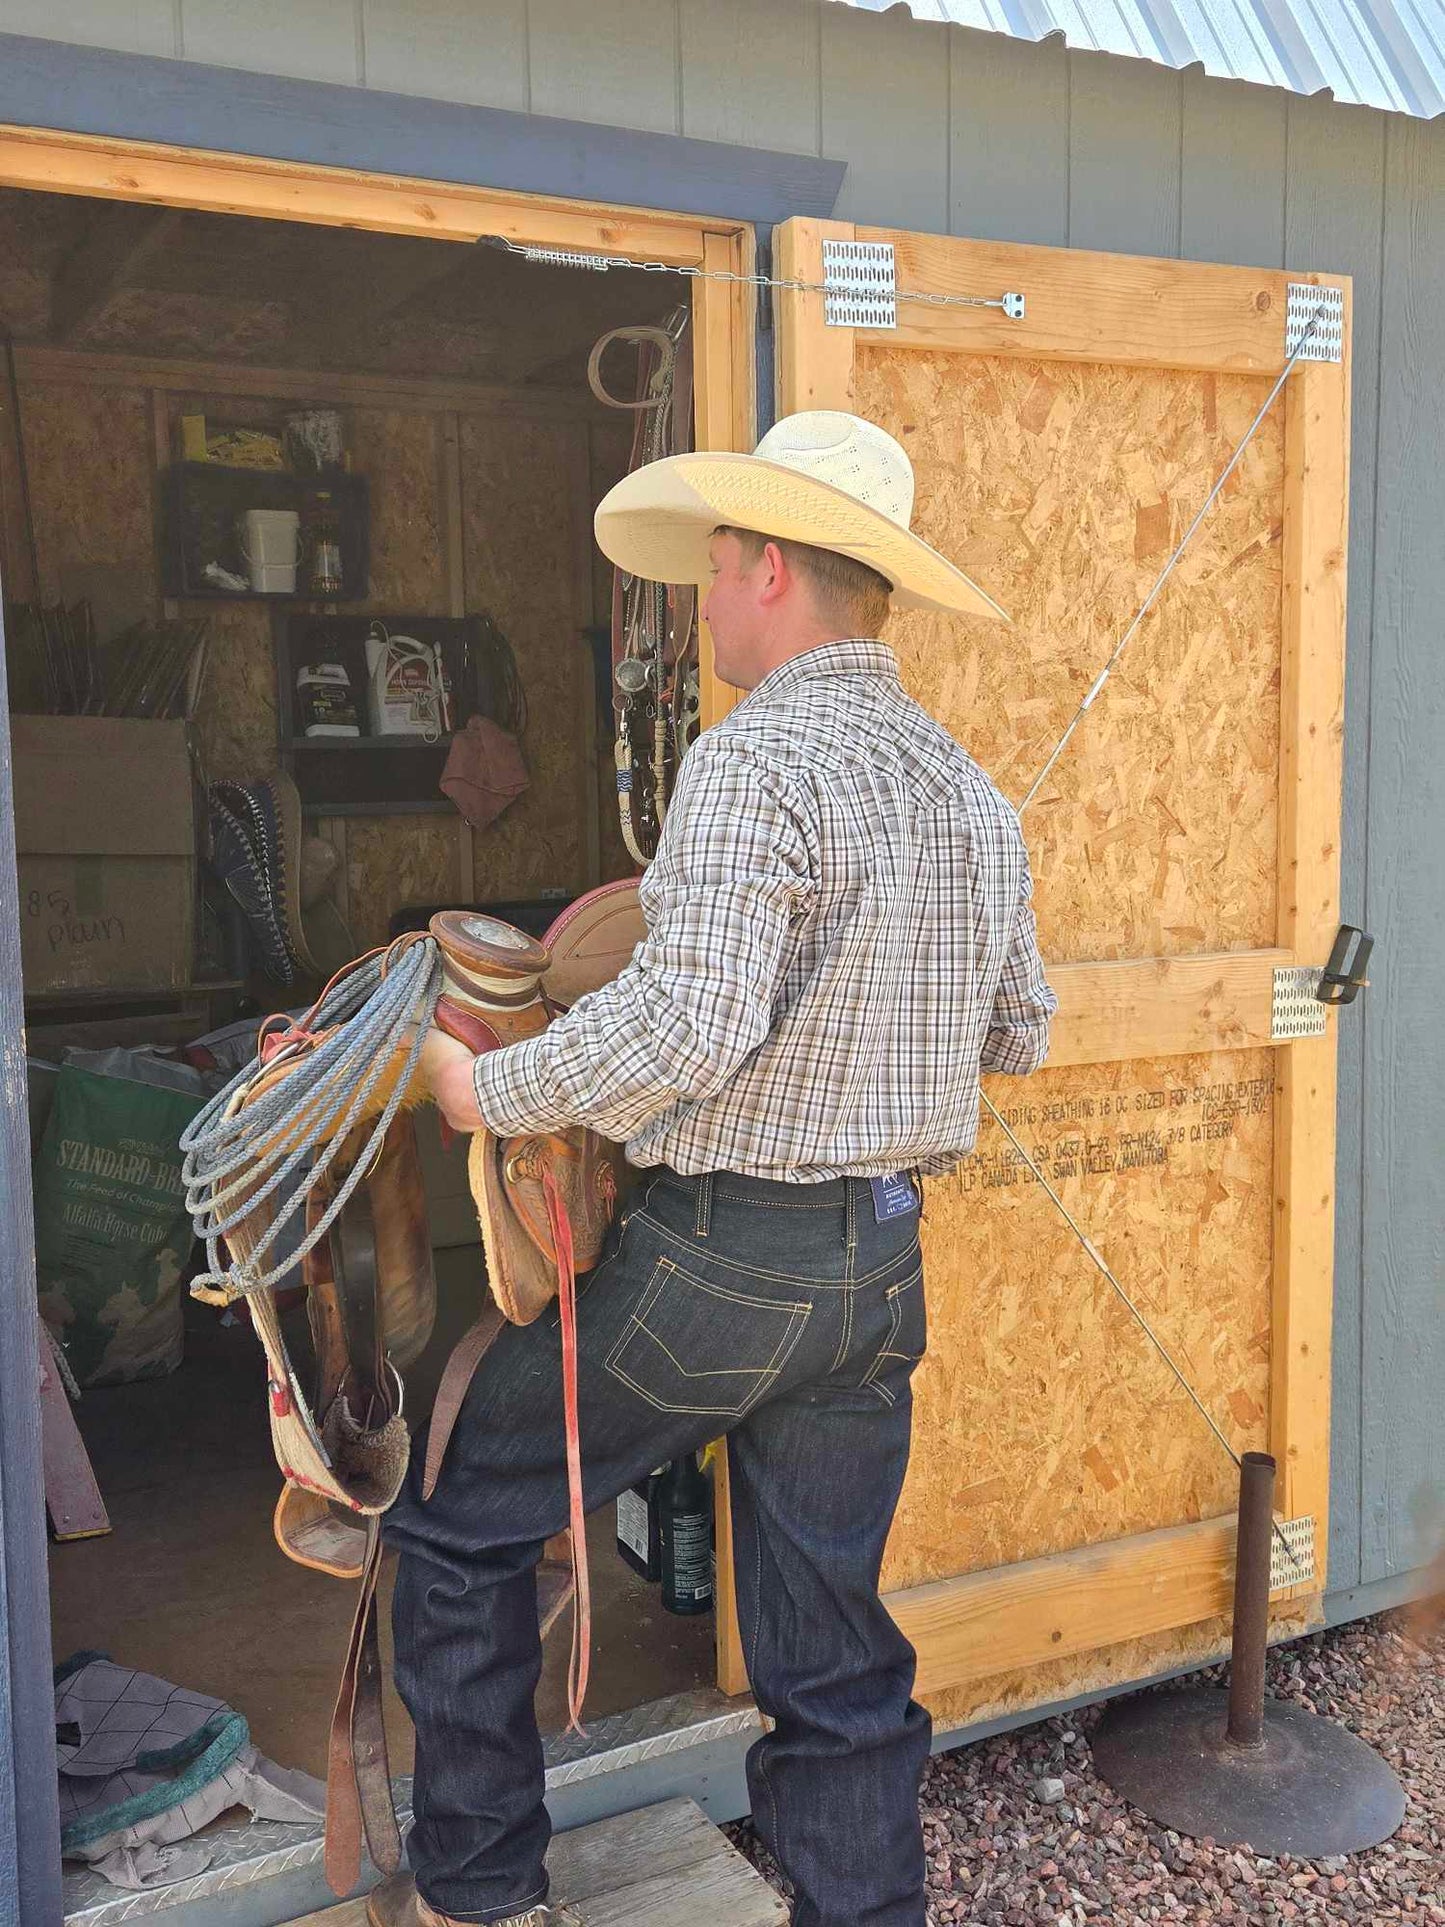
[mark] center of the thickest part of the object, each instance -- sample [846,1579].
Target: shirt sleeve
[1018,1033]
[730,878]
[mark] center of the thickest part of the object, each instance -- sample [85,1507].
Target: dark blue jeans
[786,1317]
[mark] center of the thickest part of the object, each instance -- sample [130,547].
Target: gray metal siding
[972,133]
[1402,1407]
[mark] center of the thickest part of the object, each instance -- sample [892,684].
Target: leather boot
[396,1903]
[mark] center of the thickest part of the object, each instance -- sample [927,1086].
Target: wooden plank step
[662,1866]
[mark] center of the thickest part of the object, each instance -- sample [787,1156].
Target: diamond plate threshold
[265,1873]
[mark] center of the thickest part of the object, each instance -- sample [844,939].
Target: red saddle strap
[581,1659]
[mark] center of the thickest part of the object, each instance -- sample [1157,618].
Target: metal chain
[1011,304]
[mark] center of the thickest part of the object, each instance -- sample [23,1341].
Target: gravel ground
[1005,1847]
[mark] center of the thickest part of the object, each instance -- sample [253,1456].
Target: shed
[1153,182]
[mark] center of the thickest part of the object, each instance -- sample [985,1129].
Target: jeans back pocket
[905,1338]
[694,1346]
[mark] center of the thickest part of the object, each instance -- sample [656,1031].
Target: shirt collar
[856,658]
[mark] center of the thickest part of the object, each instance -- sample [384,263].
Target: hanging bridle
[654,625]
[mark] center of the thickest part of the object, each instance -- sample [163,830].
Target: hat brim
[656,523]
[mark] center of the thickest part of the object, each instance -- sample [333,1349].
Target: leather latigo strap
[581,1659]
[358,1775]
[467,1354]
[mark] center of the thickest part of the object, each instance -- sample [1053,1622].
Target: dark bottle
[638,1539]
[684,1514]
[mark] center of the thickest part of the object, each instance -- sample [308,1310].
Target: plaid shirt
[841,937]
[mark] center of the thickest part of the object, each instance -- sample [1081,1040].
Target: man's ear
[778,578]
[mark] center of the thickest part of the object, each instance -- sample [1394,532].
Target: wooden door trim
[202,179]
[1125,309]
[1312,700]
[725,396]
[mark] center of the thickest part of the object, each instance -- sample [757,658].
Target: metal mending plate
[1296,1010]
[1299,1536]
[1327,338]
[859,284]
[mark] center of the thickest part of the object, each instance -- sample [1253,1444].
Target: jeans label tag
[893,1196]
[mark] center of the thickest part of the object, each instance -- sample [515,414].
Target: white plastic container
[269,541]
[404,695]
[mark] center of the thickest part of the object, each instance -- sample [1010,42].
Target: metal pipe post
[1251,1600]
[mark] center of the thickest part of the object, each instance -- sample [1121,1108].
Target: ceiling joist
[109,257]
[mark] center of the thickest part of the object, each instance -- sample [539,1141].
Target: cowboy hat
[831,480]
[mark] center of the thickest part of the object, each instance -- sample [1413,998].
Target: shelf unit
[202,502]
[364,775]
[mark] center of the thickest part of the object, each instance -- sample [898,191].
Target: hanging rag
[484,771]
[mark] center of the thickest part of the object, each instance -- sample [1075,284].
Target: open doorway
[166,368]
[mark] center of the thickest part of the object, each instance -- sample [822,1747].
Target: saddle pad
[592,941]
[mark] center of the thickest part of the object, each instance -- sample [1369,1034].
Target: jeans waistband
[713,1188]
[738,1188]
[849,1197]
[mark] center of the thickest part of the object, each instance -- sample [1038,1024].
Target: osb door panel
[1065,1520]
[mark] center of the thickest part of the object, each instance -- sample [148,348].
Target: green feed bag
[112,1235]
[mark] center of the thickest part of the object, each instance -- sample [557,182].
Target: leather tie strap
[358,1774]
[581,1659]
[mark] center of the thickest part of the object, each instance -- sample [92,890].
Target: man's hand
[446,1066]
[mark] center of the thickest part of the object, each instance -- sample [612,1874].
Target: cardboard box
[106,843]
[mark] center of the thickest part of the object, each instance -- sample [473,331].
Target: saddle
[544,1202]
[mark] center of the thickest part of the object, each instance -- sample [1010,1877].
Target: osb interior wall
[1044,1421]
[526,490]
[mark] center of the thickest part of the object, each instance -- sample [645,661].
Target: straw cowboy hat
[824,478]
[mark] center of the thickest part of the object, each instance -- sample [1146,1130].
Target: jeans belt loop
[702,1222]
[850,1209]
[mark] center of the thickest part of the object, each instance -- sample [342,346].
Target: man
[840,939]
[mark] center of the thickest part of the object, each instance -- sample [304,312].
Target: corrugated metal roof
[1375,53]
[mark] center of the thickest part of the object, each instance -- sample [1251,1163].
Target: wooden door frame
[106,168]
[102,168]
[1130,311]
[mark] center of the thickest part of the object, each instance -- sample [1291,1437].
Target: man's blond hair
[847,593]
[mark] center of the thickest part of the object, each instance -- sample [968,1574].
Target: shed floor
[190,1585]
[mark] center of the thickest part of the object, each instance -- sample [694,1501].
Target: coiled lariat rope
[237,1155]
